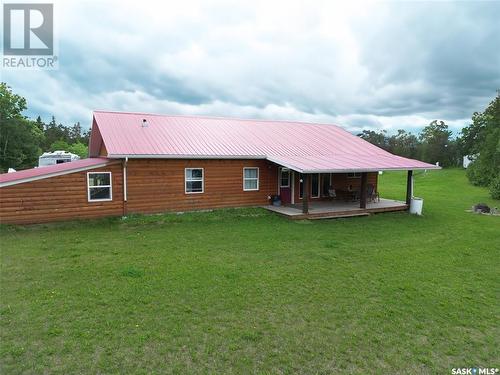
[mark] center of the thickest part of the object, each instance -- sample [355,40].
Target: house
[147,163]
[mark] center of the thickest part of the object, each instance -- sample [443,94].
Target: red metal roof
[304,147]
[32,174]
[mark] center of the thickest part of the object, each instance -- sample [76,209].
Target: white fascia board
[361,170]
[54,174]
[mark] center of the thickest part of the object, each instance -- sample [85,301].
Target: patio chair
[332,194]
[373,194]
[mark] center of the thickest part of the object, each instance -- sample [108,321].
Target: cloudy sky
[385,65]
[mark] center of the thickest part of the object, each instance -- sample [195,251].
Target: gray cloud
[377,65]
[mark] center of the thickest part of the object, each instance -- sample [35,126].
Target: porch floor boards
[337,209]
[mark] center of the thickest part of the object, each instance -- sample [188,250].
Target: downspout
[125,186]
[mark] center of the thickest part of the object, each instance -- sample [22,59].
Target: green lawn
[245,291]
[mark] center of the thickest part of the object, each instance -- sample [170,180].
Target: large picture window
[194,180]
[99,186]
[250,179]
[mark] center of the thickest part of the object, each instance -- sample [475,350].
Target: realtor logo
[28,31]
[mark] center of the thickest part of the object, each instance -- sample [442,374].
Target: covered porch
[332,195]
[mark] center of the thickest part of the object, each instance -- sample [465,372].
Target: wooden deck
[337,209]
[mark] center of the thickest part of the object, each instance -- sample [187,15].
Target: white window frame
[301,184]
[252,178]
[202,181]
[287,171]
[90,187]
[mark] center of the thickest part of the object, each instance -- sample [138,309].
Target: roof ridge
[221,118]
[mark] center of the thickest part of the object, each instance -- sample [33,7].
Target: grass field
[245,291]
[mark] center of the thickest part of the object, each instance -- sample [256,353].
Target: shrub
[495,188]
[478,174]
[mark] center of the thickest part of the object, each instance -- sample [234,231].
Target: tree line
[480,140]
[23,140]
[434,144]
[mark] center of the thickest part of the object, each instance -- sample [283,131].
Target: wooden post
[409,187]
[363,192]
[305,193]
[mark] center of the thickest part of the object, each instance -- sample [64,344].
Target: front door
[285,191]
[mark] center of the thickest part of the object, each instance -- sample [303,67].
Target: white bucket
[416,205]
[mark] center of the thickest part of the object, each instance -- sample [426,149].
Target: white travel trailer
[56,157]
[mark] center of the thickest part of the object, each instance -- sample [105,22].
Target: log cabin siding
[59,198]
[155,185]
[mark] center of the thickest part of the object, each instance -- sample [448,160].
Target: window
[354,175]
[99,186]
[326,179]
[315,185]
[285,178]
[301,186]
[250,179]
[194,180]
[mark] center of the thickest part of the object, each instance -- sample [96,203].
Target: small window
[285,178]
[250,179]
[99,186]
[354,175]
[194,180]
